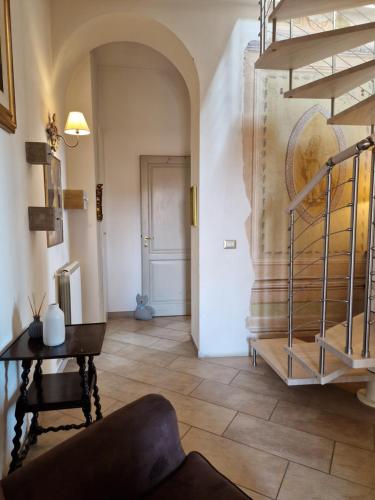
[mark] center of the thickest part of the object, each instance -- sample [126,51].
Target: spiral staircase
[342,351]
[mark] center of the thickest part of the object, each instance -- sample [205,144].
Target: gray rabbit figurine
[143,311]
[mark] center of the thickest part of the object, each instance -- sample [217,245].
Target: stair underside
[301,51]
[308,355]
[335,85]
[335,341]
[362,113]
[273,352]
[289,9]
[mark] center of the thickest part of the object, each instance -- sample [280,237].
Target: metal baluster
[264,25]
[261,26]
[291,70]
[290,292]
[370,263]
[334,23]
[352,250]
[327,228]
[274,23]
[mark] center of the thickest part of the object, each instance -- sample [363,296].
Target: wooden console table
[59,391]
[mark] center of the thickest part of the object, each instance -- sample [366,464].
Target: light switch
[230,244]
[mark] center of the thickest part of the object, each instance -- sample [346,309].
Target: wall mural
[311,143]
[280,157]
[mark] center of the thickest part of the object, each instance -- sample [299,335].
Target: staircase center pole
[326,241]
[291,291]
[370,263]
[352,256]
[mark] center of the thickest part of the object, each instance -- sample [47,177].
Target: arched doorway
[74,83]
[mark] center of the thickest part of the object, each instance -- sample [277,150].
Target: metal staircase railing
[330,295]
[266,7]
[316,238]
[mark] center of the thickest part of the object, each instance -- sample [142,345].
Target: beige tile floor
[304,443]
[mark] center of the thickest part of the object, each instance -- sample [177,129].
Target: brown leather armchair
[133,453]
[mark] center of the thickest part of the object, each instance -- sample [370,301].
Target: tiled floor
[304,443]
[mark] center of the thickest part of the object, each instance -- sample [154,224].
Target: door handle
[146,239]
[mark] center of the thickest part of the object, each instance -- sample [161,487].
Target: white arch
[124,27]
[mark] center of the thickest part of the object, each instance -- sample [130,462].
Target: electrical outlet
[230,244]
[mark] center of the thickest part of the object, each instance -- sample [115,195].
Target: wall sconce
[75,125]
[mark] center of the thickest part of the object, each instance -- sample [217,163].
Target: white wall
[215,35]
[225,275]
[143,108]
[81,174]
[27,265]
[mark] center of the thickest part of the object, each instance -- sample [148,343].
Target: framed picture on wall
[7,96]
[53,196]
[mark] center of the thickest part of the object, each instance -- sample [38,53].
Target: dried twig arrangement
[34,309]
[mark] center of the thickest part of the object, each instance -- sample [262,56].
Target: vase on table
[36,328]
[54,326]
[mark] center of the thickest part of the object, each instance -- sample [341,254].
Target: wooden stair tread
[355,375]
[289,9]
[362,113]
[302,51]
[335,85]
[273,352]
[308,354]
[335,341]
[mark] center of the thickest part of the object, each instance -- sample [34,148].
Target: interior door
[165,191]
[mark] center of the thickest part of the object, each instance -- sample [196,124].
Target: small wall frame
[75,199]
[44,218]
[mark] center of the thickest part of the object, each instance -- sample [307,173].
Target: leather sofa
[133,453]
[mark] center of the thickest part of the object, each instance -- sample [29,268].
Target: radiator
[68,280]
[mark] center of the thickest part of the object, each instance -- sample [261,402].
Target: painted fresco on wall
[286,154]
[281,156]
[53,197]
[311,143]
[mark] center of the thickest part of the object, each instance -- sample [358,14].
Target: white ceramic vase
[54,326]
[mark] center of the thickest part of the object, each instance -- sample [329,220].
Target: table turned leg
[86,404]
[33,431]
[20,414]
[93,376]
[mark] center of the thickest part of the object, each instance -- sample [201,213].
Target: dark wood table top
[80,340]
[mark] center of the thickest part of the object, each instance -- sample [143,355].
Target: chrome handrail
[335,160]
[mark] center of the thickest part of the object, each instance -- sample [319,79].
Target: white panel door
[165,189]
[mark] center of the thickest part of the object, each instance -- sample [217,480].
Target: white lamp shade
[76,124]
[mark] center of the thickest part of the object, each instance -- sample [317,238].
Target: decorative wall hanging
[75,199]
[53,196]
[7,95]
[99,202]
